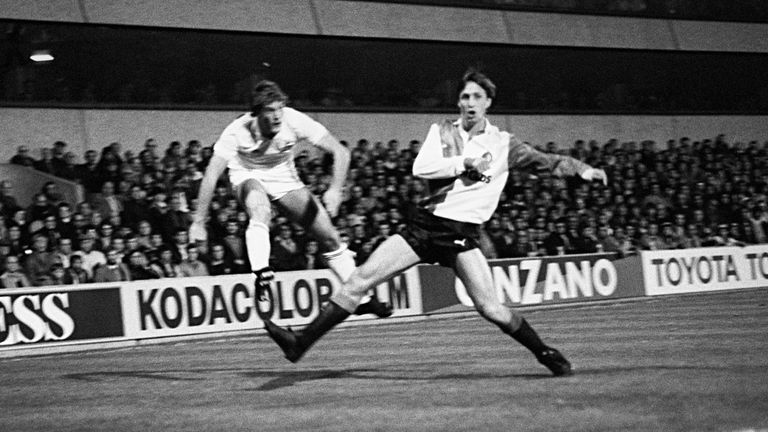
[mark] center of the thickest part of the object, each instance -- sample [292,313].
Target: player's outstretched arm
[341,157]
[523,155]
[215,168]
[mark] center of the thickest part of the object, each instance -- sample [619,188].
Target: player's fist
[478,164]
[197,232]
[332,201]
[595,174]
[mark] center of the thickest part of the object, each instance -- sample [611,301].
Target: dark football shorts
[439,240]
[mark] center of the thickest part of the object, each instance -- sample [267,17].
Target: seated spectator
[91,257]
[166,264]
[140,267]
[607,241]
[59,275]
[220,264]
[136,207]
[40,209]
[192,266]
[63,252]
[558,242]
[13,276]
[179,245]
[113,270]
[285,251]
[107,203]
[235,246]
[76,272]
[65,223]
[311,258]
[37,265]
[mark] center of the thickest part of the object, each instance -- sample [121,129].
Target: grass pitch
[687,363]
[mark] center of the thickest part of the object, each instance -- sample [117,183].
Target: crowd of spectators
[134,222]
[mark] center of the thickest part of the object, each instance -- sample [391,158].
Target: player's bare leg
[303,207]
[391,257]
[256,202]
[473,270]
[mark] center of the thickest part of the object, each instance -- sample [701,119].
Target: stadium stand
[691,193]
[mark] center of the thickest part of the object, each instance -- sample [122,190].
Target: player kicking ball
[258,149]
[466,163]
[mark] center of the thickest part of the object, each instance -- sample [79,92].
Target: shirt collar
[465,135]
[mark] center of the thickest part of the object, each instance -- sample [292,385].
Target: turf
[687,363]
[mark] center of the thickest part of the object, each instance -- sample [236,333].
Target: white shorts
[277,181]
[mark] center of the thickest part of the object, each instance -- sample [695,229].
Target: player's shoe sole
[555,362]
[287,340]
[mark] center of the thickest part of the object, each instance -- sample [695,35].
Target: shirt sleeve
[304,126]
[226,146]
[523,155]
[430,162]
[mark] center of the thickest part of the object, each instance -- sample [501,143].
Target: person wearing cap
[258,150]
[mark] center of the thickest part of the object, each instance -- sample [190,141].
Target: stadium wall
[402,21]
[66,318]
[85,129]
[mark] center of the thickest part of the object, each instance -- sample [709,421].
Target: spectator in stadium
[558,242]
[258,150]
[76,272]
[69,169]
[9,203]
[165,262]
[470,159]
[113,270]
[45,163]
[286,254]
[58,275]
[106,202]
[219,262]
[22,157]
[39,210]
[311,258]
[179,245]
[92,258]
[52,192]
[136,208]
[17,244]
[64,251]
[37,265]
[51,231]
[64,221]
[90,175]
[140,267]
[13,276]
[192,265]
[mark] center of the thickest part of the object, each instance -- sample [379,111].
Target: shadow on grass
[279,378]
[425,372]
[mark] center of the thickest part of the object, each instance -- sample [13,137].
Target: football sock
[528,338]
[330,315]
[341,262]
[257,244]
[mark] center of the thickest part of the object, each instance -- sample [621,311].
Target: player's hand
[332,201]
[197,232]
[478,164]
[595,174]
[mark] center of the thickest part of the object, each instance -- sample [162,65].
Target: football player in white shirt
[258,149]
[466,163]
